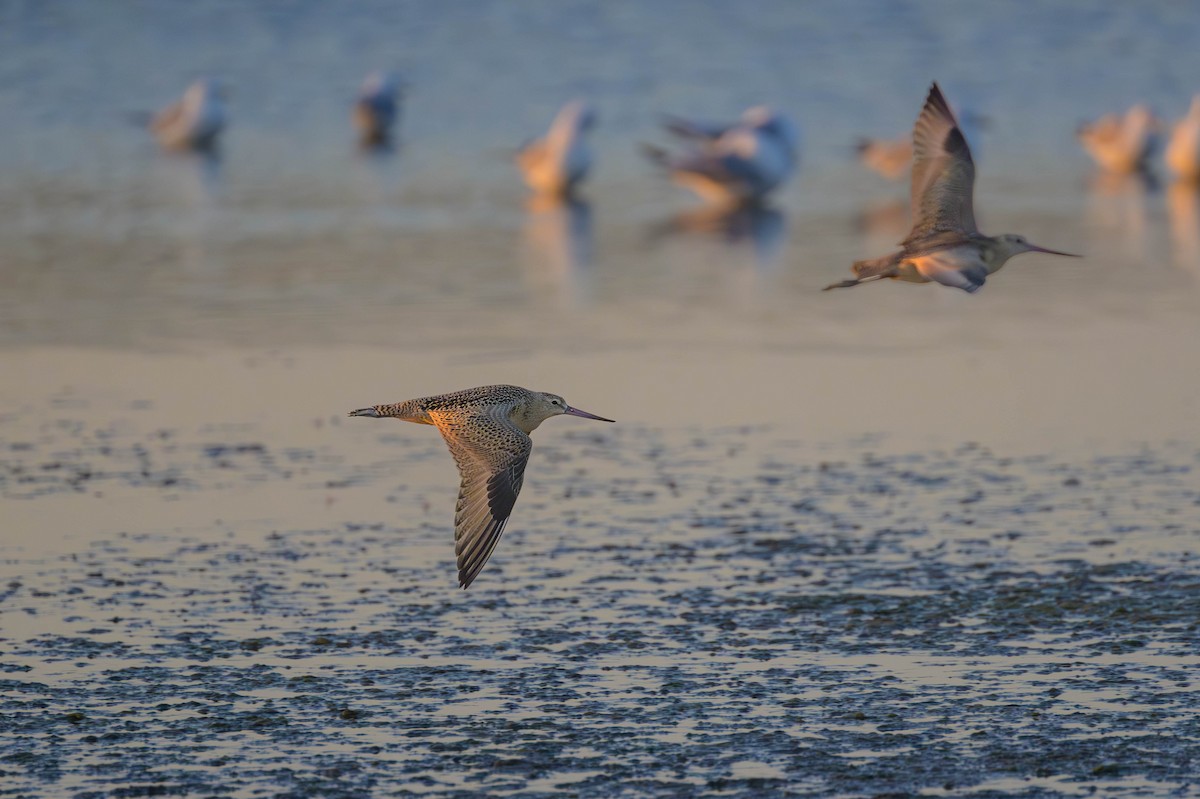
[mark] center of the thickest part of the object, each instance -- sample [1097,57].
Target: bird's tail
[868,271]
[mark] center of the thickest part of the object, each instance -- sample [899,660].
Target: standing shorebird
[557,163]
[1121,144]
[487,430]
[890,157]
[377,109]
[944,246]
[733,164]
[194,122]
[1183,151]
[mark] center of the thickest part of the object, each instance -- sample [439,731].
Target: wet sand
[205,594]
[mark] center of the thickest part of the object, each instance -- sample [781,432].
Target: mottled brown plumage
[944,245]
[487,430]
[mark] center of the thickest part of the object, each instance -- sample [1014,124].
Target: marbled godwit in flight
[944,246]
[1121,144]
[195,120]
[1183,151]
[733,164]
[377,108]
[487,430]
[555,164]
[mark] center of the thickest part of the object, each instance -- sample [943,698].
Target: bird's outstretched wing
[943,174]
[491,454]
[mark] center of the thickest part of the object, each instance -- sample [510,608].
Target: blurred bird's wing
[691,129]
[167,117]
[491,453]
[943,174]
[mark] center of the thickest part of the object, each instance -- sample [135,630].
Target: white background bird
[734,164]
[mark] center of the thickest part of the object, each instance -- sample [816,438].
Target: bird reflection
[1183,210]
[192,182]
[1117,208]
[559,248]
[883,223]
[761,227]
[193,177]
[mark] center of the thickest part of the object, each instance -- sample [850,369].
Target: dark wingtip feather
[937,101]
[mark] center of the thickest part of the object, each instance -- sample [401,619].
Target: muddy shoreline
[931,623]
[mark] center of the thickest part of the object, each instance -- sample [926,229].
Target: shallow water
[896,541]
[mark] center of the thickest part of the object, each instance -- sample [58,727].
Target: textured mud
[670,614]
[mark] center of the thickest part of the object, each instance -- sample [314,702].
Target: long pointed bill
[585,415]
[1035,248]
[365,412]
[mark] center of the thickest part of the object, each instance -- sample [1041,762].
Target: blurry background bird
[377,109]
[556,163]
[890,158]
[1183,150]
[195,121]
[732,164]
[1121,143]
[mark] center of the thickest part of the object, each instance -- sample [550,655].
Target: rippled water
[896,541]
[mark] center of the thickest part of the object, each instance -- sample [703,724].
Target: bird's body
[733,164]
[487,430]
[377,109]
[944,245]
[195,121]
[557,163]
[1121,143]
[1183,151]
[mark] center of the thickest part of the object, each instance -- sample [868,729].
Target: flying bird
[195,120]
[944,245]
[487,430]
[732,164]
[557,163]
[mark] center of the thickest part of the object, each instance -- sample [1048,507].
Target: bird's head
[773,123]
[1011,244]
[542,406]
[381,83]
[205,90]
